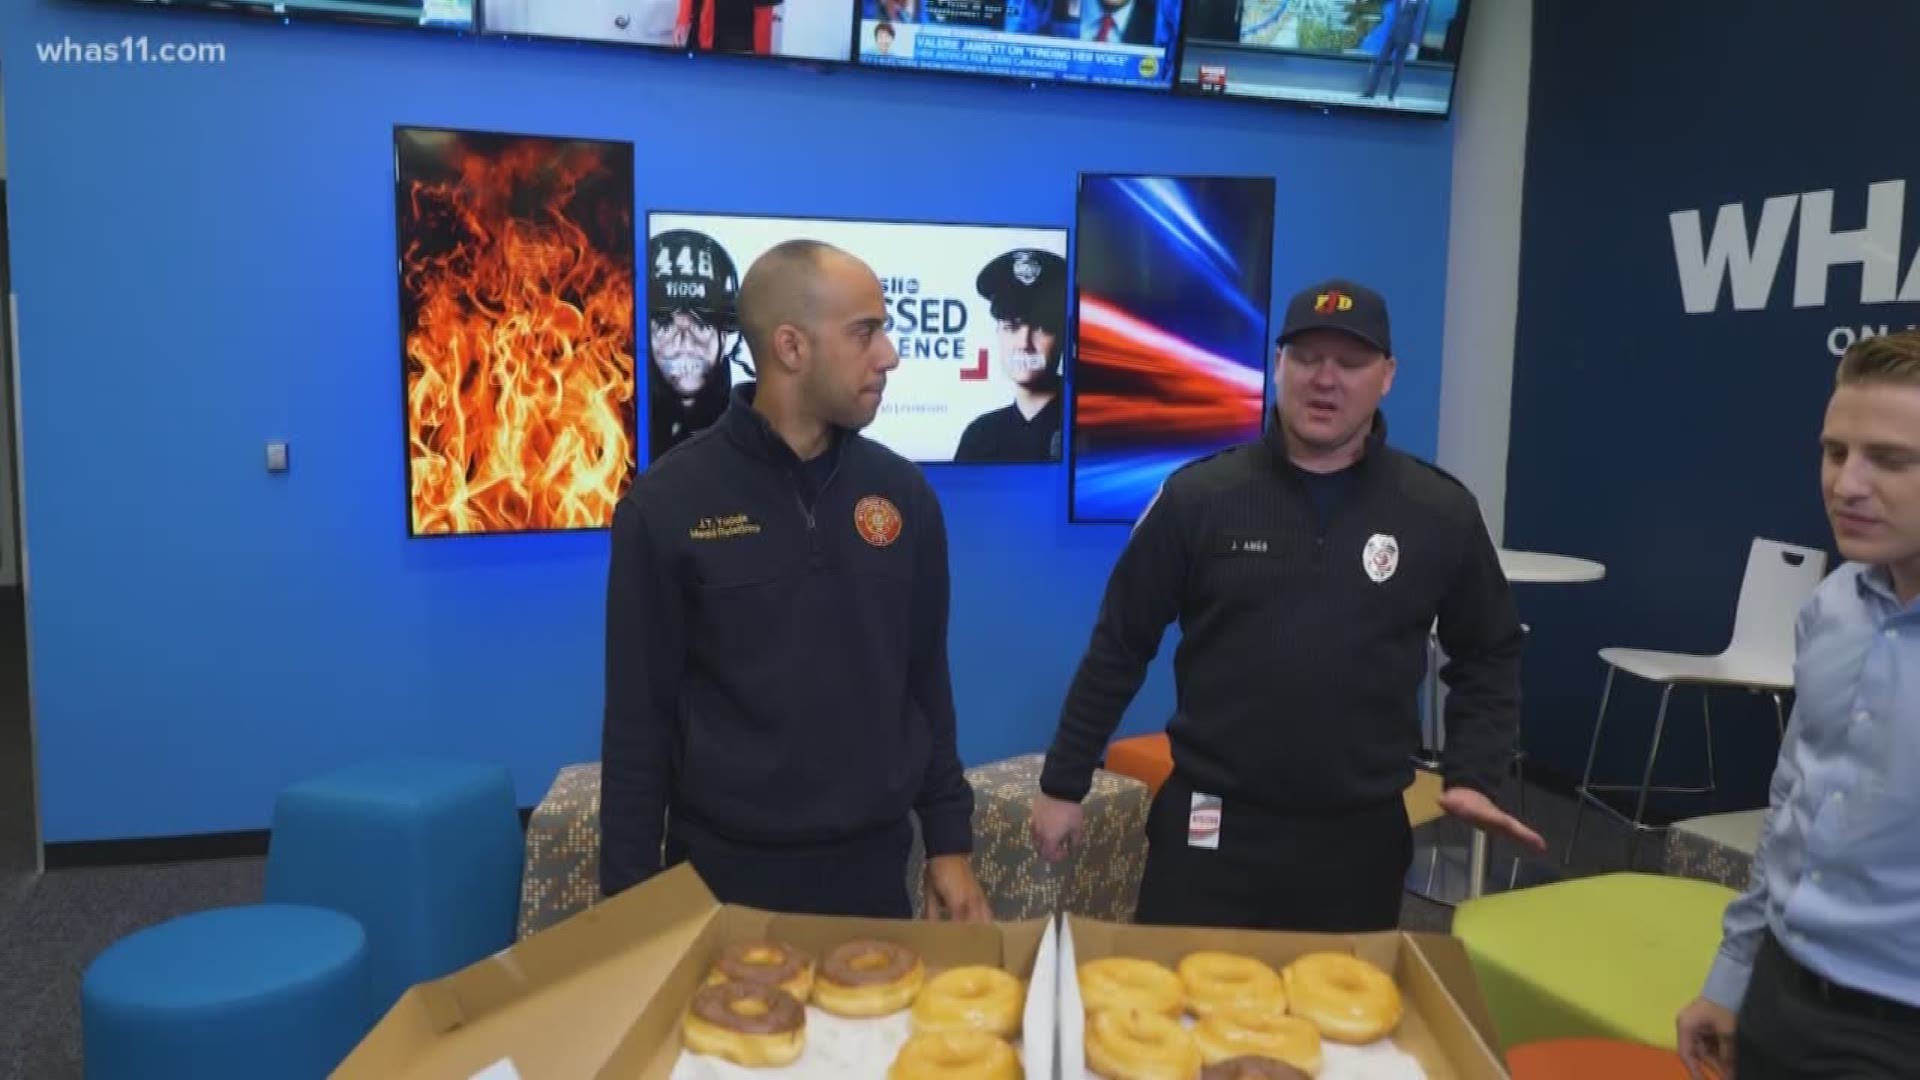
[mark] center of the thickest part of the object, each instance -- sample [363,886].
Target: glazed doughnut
[977,998]
[1137,1044]
[1259,1031]
[755,1026]
[868,978]
[1347,998]
[958,1054]
[1252,1068]
[766,963]
[1120,983]
[1215,980]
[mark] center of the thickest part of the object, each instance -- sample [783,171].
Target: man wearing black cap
[1028,293]
[1306,570]
[693,334]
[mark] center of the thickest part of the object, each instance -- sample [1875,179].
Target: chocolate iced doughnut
[749,1009]
[1252,1068]
[766,963]
[868,978]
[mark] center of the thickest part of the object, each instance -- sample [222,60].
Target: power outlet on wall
[276,457]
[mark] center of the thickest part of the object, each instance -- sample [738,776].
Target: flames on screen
[519,335]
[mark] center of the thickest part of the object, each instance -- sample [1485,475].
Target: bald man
[778,704]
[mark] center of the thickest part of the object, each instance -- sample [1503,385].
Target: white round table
[1451,874]
[1539,568]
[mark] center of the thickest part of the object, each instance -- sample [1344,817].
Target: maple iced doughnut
[1348,999]
[1215,980]
[976,998]
[750,1025]
[868,978]
[1253,1068]
[765,963]
[1119,982]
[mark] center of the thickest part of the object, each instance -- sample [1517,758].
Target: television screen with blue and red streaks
[1171,364]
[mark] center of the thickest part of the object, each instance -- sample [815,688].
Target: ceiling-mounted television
[1388,55]
[1126,43]
[977,313]
[796,29]
[436,14]
[1172,280]
[517,316]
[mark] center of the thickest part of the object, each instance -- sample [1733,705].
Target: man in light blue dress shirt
[1819,971]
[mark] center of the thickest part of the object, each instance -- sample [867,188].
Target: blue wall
[1658,441]
[204,262]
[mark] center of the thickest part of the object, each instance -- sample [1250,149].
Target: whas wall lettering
[1748,260]
[929,327]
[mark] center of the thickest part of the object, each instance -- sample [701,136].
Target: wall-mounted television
[1172,280]
[1392,55]
[978,314]
[1126,43]
[517,329]
[802,29]
[439,14]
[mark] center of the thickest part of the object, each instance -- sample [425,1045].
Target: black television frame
[400,297]
[1068,330]
[1183,91]
[1068,456]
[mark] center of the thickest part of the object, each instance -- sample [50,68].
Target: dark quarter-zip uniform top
[1304,611]
[777,651]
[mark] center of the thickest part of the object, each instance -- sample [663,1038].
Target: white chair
[1779,580]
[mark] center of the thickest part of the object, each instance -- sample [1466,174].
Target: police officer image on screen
[1306,569]
[693,333]
[1027,290]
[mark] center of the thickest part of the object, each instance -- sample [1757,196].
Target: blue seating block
[426,853]
[238,992]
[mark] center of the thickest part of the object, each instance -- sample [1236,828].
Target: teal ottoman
[1614,956]
[426,853]
[236,993]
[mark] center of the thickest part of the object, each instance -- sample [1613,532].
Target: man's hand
[1706,1040]
[1478,811]
[953,892]
[1058,826]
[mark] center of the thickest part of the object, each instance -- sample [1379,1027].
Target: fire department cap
[1339,304]
[1026,284]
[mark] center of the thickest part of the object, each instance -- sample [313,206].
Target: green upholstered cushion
[1614,956]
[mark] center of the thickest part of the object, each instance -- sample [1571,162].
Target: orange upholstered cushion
[1593,1059]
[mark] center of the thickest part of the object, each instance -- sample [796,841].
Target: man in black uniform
[1306,569]
[693,332]
[1027,290]
[778,701]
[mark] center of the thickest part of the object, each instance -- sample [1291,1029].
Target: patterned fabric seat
[1717,848]
[563,848]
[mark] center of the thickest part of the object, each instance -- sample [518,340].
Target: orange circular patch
[877,521]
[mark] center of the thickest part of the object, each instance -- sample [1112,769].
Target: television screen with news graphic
[799,29]
[1127,43]
[1173,276]
[517,316]
[1388,55]
[436,14]
[977,314]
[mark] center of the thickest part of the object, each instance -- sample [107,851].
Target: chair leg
[1646,778]
[1706,719]
[1779,716]
[1586,778]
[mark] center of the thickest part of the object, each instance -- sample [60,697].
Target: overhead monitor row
[525,328]
[1389,55]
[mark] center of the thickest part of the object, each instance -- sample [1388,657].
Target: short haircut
[778,289]
[883,28]
[1888,358]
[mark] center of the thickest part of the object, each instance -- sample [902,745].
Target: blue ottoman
[241,992]
[425,853]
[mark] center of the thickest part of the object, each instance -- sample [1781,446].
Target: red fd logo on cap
[877,521]
[1329,302]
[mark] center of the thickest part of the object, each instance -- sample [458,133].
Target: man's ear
[790,347]
[1392,366]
